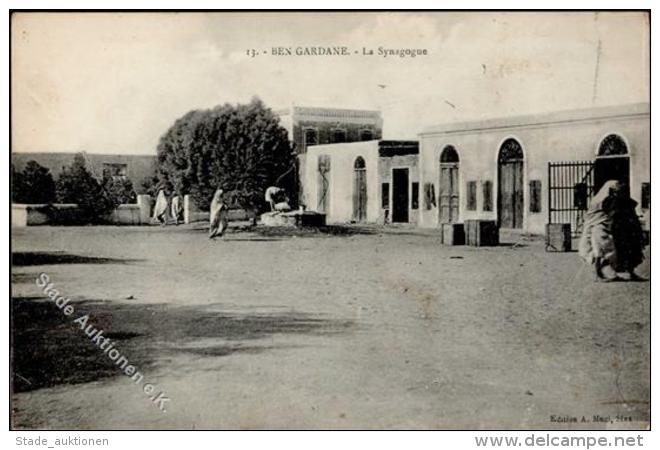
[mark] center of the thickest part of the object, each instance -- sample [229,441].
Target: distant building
[309,126]
[524,172]
[373,181]
[134,167]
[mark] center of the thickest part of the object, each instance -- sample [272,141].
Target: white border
[299,440]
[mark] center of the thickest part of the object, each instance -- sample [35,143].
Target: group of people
[172,206]
[168,206]
[612,234]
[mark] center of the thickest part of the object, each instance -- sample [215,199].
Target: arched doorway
[359,190]
[448,193]
[612,162]
[510,185]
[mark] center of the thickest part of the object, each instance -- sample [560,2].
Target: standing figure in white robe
[162,205]
[177,208]
[218,218]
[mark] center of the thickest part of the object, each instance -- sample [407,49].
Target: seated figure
[277,199]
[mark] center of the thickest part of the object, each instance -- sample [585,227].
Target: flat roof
[328,112]
[556,117]
[87,154]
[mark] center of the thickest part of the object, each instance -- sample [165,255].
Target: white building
[524,172]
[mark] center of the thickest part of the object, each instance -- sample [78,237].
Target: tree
[119,190]
[241,149]
[34,184]
[17,186]
[77,185]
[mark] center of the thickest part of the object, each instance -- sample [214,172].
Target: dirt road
[341,331]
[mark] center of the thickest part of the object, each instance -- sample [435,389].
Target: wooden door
[448,200]
[360,191]
[510,194]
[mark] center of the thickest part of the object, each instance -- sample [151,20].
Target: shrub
[77,185]
[34,184]
[119,190]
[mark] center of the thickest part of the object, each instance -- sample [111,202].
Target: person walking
[177,208]
[218,217]
[162,205]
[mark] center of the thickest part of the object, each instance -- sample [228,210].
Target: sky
[115,82]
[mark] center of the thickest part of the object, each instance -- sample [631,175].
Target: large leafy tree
[34,184]
[241,149]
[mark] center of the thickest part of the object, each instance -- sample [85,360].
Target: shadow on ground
[276,233]
[48,258]
[49,349]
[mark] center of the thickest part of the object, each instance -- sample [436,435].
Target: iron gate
[570,188]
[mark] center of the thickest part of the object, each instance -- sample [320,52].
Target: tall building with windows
[309,126]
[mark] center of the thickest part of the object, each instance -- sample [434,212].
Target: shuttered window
[385,195]
[535,196]
[429,195]
[471,196]
[487,191]
[415,196]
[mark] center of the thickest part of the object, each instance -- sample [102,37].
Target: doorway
[448,194]
[400,198]
[612,162]
[359,190]
[510,185]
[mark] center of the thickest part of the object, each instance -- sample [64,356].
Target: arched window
[339,136]
[311,137]
[366,135]
[612,145]
[510,151]
[359,163]
[449,155]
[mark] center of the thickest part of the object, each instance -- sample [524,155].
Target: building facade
[311,126]
[525,172]
[363,182]
[308,126]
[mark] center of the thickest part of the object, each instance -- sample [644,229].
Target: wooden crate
[453,234]
[482,233]
[558,237]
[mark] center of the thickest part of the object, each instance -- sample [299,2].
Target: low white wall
[44,214]
[23,215]
[192,214]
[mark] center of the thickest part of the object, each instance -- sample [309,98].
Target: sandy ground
[357,331]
